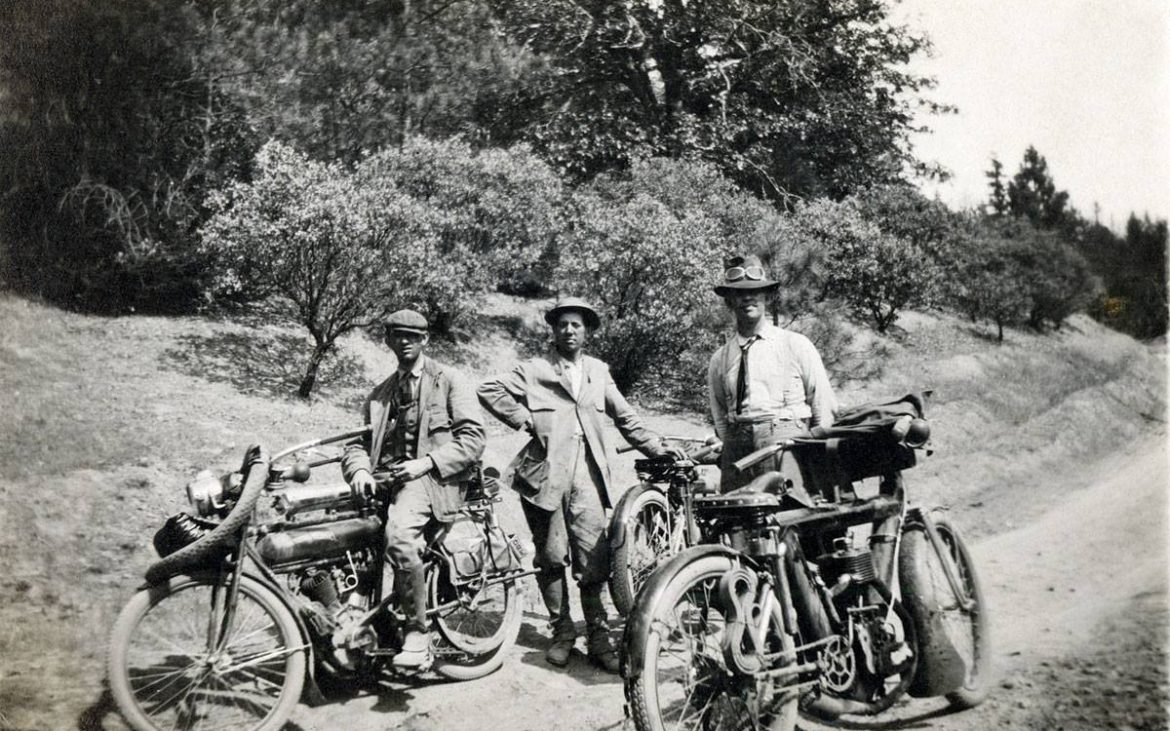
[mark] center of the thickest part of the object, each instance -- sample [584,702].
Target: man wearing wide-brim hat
[563,474]
[426,436]
[765,383]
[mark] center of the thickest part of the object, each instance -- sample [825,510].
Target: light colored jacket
[539,389]
[450,432]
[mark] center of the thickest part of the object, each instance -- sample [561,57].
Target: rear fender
[639,622]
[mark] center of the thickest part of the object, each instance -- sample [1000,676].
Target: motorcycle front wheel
[684,681]
[932,603]
[475,625]
[651,537]
[171,665]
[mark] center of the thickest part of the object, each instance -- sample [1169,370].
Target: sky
[1086,82]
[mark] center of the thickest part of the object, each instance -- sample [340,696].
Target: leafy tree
[113,132]
[787,99]
[1032,194]
[992,285]
[343,78]
[314,235]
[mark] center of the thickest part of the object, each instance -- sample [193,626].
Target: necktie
[741,382]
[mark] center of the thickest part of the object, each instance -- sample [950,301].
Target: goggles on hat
[734,274]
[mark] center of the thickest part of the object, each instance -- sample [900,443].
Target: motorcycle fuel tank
[319,541]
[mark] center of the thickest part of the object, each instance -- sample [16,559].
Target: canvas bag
[863,441]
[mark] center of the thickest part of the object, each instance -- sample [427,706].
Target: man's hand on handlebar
[676,452]
[363,482]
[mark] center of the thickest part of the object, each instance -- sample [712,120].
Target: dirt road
[1078,600]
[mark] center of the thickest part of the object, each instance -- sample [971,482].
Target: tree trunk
[310,378]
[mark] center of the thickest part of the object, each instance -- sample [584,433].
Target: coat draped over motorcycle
[450,432]
[539,390]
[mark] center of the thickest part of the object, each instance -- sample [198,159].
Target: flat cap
[407,320]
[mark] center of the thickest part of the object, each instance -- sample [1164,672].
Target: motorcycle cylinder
[329,540]
[298,499]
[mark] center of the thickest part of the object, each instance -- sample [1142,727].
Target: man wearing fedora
[426,436]
[765,383]
[563,474]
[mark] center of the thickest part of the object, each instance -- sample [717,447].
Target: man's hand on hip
[411,469]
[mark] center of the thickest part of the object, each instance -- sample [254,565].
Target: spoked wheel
[476,625]
[171,665]
[652,537]
[936,609]
[684,681]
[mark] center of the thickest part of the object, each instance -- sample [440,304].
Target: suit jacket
[450,432]
[539,390]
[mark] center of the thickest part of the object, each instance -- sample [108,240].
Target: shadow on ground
[262,363]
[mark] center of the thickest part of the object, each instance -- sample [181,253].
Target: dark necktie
[741,382]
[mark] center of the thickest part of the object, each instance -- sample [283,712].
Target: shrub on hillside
[646,246]
[875,274]
[335,246]
[496,216]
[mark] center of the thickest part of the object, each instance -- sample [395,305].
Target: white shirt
[576,374]
[786,380]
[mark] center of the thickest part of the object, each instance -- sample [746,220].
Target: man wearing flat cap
[765,384]
[426,436]
[562,473]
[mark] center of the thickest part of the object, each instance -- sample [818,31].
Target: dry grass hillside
[102,420]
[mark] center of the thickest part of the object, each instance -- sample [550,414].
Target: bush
[874,273]
[492,217]
[319,237]
[113,132]
[646,247]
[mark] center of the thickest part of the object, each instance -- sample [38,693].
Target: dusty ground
[1051,450]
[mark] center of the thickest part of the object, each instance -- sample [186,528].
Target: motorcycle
[654,519]
[269,580]
[816,601]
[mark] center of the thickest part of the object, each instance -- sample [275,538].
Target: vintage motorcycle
[655,518]
[815,600]
[271,579]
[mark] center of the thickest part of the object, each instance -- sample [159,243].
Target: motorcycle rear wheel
[927,592]
[650,539]
[165,673]
[684,649]
[472,637]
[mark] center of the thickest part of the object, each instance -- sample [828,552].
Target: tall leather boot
[555,591]
[601,649]
[416,645]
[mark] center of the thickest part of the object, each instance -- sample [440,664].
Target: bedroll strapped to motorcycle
[870,440]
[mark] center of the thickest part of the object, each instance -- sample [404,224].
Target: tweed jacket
[450,432]
[539,389]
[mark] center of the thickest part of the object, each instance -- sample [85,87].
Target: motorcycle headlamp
[206,492]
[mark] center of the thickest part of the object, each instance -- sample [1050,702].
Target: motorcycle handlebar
[760,455]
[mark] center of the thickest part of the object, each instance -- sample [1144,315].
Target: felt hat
[573,304]
[744,272]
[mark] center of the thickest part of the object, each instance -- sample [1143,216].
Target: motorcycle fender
[617,523]
[638,624]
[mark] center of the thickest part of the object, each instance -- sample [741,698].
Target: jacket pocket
[438,419]
[532,470]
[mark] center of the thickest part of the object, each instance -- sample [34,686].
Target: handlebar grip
[759,455]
